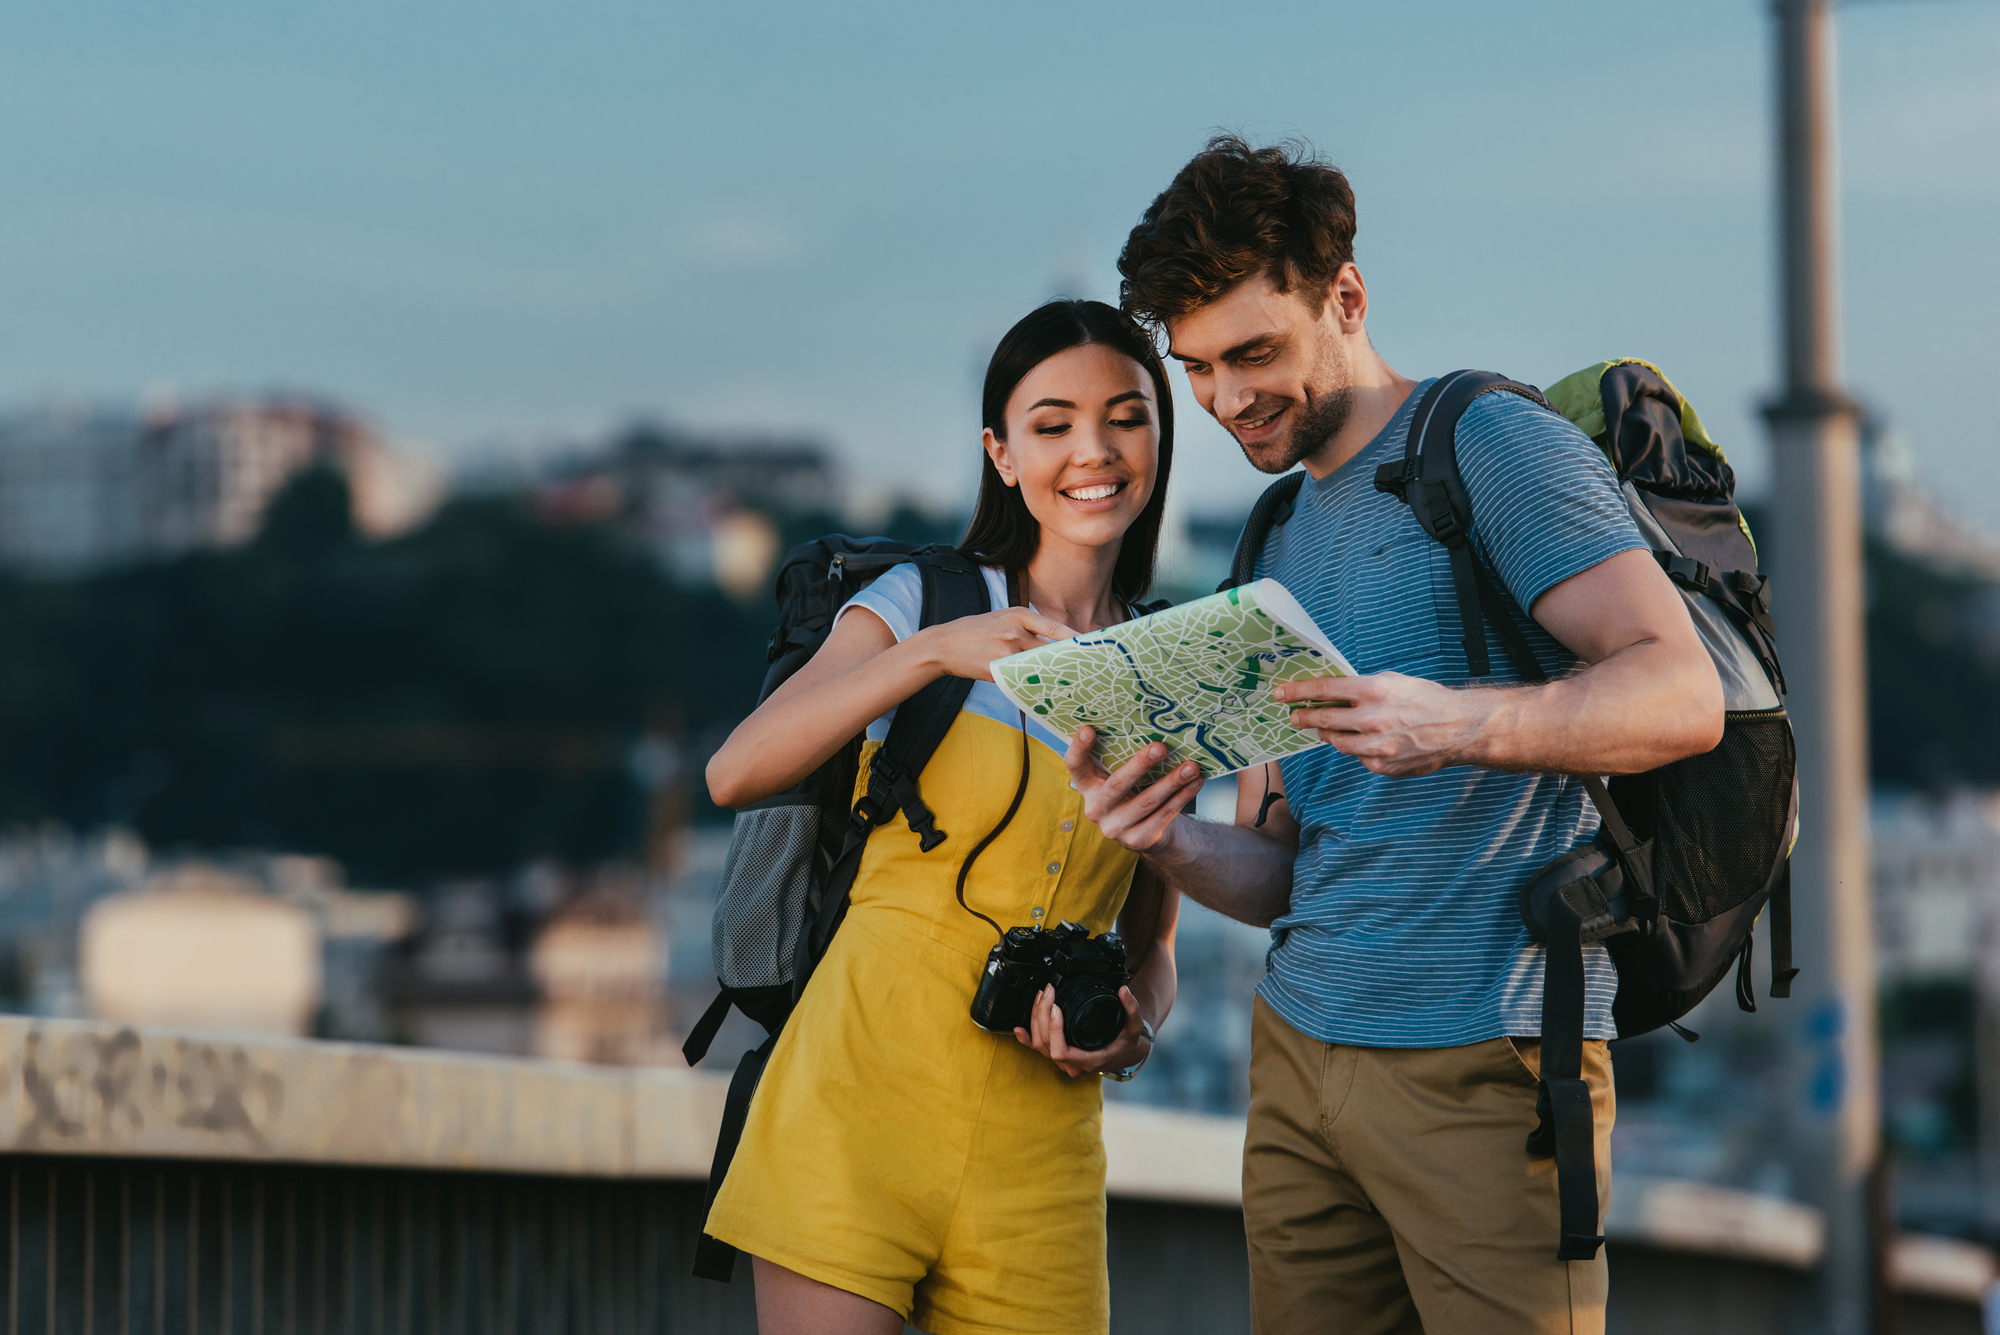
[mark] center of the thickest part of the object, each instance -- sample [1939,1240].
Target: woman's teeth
[1098,493]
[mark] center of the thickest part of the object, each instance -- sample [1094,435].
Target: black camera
[1087,972]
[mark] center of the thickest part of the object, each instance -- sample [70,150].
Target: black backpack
[792,857]
[1690,853]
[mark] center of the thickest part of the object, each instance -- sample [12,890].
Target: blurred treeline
[492,688]
[455,701]
[1933,674]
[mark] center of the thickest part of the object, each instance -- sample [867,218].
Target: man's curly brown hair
[1233,212]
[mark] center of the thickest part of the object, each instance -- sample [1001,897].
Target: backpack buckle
[1684,570]
[922,823]
[1393,477]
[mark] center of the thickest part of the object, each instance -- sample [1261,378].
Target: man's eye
[1259,360]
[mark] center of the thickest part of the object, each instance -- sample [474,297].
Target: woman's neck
[1073,585]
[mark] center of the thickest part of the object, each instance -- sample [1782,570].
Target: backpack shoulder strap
[1428,481]
[953,587]
[1273,508]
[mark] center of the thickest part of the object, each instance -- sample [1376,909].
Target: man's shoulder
[1499,420]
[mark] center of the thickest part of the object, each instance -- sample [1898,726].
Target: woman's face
[1083,444]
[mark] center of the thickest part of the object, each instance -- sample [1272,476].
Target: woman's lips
[1094,496]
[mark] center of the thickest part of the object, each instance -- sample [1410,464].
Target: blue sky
[504,223]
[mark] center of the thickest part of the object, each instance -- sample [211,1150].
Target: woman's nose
[1094,445]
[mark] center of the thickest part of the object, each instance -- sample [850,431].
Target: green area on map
[1197,677]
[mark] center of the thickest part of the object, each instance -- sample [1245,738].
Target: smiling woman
[906,1155]
[1070,348]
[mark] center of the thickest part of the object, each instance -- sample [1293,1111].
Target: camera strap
[1020,792]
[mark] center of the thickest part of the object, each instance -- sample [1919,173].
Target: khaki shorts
[1388,1191]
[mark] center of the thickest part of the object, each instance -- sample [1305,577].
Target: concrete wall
[1683,1256]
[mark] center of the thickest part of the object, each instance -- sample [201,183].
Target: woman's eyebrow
[1053,403]
[1139,394]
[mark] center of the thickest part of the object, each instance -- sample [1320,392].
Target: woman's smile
[1096,495]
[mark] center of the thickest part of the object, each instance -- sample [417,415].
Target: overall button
[1068,825]
[1054,867]
[1034,913]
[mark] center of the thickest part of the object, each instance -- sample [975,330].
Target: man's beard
[1314,423]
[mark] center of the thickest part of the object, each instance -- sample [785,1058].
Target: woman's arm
[1152,912]
[858,675]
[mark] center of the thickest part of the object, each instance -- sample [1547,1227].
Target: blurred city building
[1898,511]
[96,927]
[463,981]
[600,963]
[84,487]
[201,948]
[710,509]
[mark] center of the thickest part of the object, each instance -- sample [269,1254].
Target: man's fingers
[1329,720]
[1082,765]
[1353,689]
[1128,776]
[1145,833]
[1180,785]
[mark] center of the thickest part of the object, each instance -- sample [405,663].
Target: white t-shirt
[897,596]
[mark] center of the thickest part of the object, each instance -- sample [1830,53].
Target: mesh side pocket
[1721,817]
[760,908]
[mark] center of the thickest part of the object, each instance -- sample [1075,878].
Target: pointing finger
[1043,626]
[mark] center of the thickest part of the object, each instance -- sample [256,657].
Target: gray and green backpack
[1689,854]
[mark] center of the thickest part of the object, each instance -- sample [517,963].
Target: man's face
[1270,366]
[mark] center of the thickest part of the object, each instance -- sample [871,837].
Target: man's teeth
[1104,492]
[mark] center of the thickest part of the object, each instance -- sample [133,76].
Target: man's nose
[1232,395]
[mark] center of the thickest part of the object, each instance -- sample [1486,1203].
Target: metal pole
[1816,550]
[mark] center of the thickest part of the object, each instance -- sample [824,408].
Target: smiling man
[1386,1183]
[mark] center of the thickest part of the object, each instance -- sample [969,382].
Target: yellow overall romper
[896,1150]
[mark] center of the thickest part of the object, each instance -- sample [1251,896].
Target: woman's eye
[1129,422]
[1056,429]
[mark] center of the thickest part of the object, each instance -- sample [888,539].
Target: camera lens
[1092,1013]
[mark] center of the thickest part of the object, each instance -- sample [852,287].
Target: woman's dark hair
[1002,532]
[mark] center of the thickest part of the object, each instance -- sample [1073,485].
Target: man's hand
[1140,818]
[1395,725]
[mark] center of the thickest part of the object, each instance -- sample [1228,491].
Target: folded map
[1197,677]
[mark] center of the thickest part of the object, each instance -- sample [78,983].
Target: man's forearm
[1641,708]
[1237,872]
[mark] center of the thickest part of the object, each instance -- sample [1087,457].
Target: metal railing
[165,1247]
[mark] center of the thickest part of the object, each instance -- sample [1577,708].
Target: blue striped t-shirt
[1404,928]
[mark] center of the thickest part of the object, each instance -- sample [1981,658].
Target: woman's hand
[1045,1035]
[964,647]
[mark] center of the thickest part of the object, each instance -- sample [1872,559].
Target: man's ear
[1349,298]
[996,450]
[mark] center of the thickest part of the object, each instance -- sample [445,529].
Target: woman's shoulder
[897,596]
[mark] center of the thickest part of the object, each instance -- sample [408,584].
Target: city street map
[1197,677]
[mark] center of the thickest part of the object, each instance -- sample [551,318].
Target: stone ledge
[77,1087]
[74,1087]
